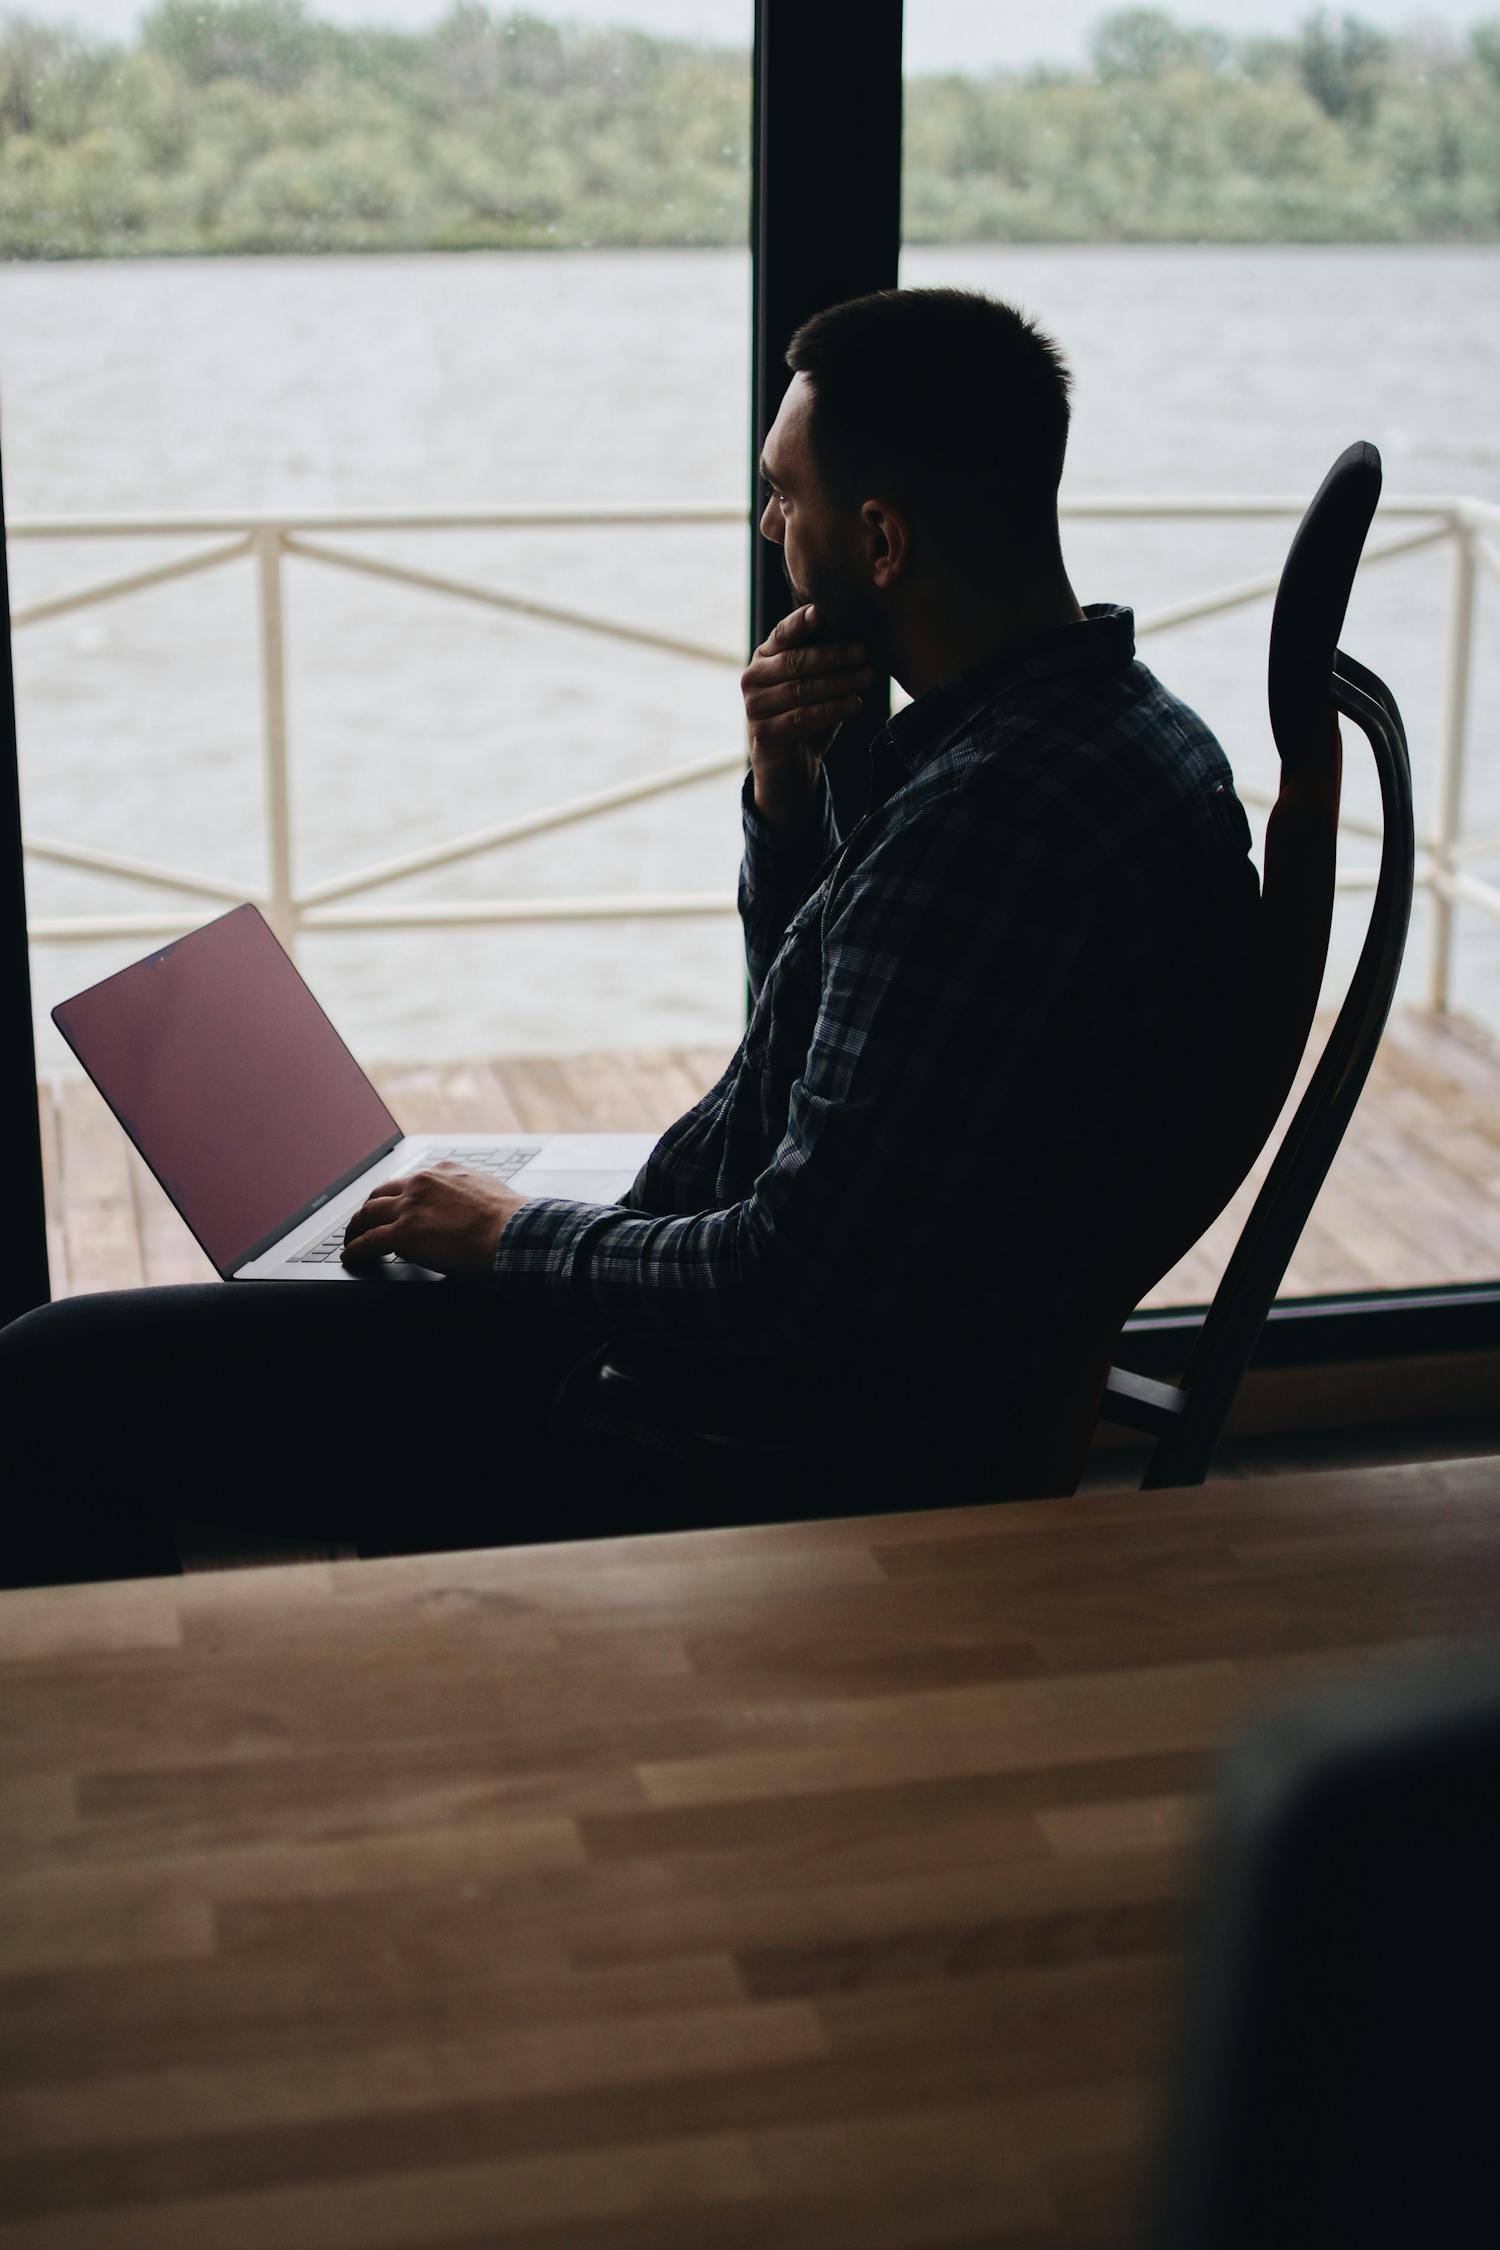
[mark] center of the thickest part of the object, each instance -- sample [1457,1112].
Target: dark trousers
[395,1418]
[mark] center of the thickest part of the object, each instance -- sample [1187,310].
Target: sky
[940,34]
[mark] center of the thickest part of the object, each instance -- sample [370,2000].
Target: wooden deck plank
[464,1097]
[168,1252]
[546,1098]
[57,1246]
[1414,1197]
[683,1075]
[1405,1176]
[98,1217]
[417,1098]
[1452,1053]
[623,1092]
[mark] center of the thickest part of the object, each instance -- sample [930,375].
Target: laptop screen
[231,1081]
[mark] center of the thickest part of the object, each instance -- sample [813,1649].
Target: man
[983,1018]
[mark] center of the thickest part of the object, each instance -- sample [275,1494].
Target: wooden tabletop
[819,1886]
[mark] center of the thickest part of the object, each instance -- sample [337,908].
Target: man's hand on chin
[445,1218]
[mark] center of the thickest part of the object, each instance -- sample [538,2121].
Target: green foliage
[1142,43]
[1343,66]
[272,44]
[253,126]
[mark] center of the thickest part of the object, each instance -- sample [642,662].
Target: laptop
[259,1123]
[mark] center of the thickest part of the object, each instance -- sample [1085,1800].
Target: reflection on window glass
[273,274]
[1260,235]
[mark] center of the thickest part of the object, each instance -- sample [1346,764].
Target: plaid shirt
[979,1022]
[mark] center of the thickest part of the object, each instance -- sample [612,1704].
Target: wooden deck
[1414,1198]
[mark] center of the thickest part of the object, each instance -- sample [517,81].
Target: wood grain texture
[810,1885]
[1413,1196]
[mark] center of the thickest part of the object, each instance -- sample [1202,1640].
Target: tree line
[253,126]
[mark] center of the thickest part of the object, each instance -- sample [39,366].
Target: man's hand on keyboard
[445,1217]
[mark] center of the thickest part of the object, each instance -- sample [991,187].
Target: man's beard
[846,612]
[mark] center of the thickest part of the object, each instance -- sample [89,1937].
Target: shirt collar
[1102,640]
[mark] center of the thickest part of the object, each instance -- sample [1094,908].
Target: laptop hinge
[290,1226]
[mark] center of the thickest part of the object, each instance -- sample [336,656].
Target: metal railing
[1470,528]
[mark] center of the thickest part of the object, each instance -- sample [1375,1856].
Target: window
[278,269]
[1254,250]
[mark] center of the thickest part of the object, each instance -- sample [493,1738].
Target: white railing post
[281,906]
[1452,744]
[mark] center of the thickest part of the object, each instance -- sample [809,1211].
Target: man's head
[924,430]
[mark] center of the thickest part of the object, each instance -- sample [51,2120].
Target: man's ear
[887,542]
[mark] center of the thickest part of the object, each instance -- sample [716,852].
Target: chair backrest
[1310,683]
[1332,2087]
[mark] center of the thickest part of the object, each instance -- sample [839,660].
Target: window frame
[24,1277]
[842,161]
[846,166]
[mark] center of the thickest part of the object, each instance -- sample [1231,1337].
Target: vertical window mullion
[825,225]
[24,1279]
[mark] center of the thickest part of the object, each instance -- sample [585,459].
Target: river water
[492,379]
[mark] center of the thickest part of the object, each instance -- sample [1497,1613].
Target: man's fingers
[790,695]
[818,663]
[795,626]
[795,638]
[387,1191]
[371,1243]
[806,719]
[812,658]
[379,1209]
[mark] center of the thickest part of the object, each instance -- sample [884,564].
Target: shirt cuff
[539,1247]
[773,862]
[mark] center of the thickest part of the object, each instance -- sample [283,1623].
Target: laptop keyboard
[495,1163]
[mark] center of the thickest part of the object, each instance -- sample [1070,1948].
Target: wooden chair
[1312,683]
[656,1399]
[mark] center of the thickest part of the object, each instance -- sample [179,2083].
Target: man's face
[819,541]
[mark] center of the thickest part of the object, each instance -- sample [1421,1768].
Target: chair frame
[1187,1418]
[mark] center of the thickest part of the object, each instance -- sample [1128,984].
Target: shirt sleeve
[776,876]
[936,1090]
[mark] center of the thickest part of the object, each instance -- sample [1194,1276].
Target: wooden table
[819,1886]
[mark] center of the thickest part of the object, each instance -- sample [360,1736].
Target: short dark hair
[953,402]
